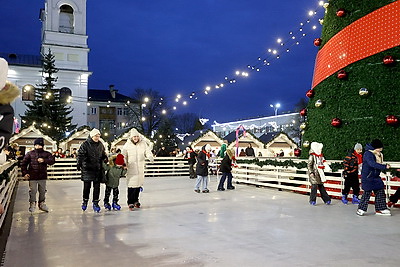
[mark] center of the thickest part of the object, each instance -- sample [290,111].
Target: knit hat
[38,141]
[119,160]
[8,90]
[133,132]
[94,132]
[376,143]
[207,148]
[358,146]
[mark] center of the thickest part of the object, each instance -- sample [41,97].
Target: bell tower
[64,32]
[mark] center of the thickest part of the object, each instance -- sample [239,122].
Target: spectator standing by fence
[250,151]
[191,158]
[91,154]
[34,168]
[371,180]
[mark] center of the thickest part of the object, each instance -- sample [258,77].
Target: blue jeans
[199,180]
[223,178]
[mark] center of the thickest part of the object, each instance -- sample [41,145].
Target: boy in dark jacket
[226,169]
[352,168]
[202,169]
[34,168]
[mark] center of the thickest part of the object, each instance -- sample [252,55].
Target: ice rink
[248,226]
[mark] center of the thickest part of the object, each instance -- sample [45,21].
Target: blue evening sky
[182,46]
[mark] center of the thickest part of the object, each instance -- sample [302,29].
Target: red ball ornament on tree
[317,41]
[388,60]
[341,12]
[392,120]
[342,74]
[336,122]
[297,152]
[303,112]
[310,93]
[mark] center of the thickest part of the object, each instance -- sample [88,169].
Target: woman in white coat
[135,151]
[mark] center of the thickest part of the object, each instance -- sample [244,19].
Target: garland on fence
[286,163]
[5,174]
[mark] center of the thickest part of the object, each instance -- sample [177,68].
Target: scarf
[319,163]
[378,156]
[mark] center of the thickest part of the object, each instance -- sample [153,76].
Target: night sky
[182,46]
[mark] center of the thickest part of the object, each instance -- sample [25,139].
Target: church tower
[64,33]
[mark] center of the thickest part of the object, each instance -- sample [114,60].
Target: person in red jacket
[34,168]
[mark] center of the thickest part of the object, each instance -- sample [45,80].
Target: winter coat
[249,152]
[222,151]
[371,170]
[114,173]
[91,154]
[315,164]
[135,155]
[351,163]
[7,94]
[202,162]
[226,163]
[31,166]
[191,157]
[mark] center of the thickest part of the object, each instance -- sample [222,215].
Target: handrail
[9,173]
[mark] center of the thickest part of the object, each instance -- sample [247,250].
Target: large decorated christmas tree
[355,96]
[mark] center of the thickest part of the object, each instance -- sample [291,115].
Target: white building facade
[64,33]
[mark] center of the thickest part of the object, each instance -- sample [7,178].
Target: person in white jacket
[135,151]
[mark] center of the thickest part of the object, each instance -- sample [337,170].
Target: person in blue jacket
[371,181]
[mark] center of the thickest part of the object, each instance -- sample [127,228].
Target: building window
[66,23]
[65,94]
[119,111]
[126,111]
[93,111]
[28,92]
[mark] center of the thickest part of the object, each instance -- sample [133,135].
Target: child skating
[115,170]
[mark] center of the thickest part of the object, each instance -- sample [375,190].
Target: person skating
[202,169]
[371,181]
[316,167]
[352,168]
[135,151]
[34,168]
[115,169]
[91,154]
[226,169]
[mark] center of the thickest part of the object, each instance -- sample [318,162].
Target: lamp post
[275,107]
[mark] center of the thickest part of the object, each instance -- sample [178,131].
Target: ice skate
[116,206]
[43,207]
[131,207]
[137,205]
[344,199]
[107,206]
[96,207]
[32,207]
[355,200]
[84,204]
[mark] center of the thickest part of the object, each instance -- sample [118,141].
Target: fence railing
[9,178]
[282,178]
[296,180]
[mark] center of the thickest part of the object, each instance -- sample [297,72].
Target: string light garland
[281,47]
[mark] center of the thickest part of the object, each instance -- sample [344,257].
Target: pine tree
[49,112]
[355,96]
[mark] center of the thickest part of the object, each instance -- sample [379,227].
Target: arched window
[66,23]
[65,94]
[28,92]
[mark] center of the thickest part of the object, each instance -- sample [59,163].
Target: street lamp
[275,107]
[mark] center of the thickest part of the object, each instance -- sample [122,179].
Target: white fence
[296,180]
[9,173]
